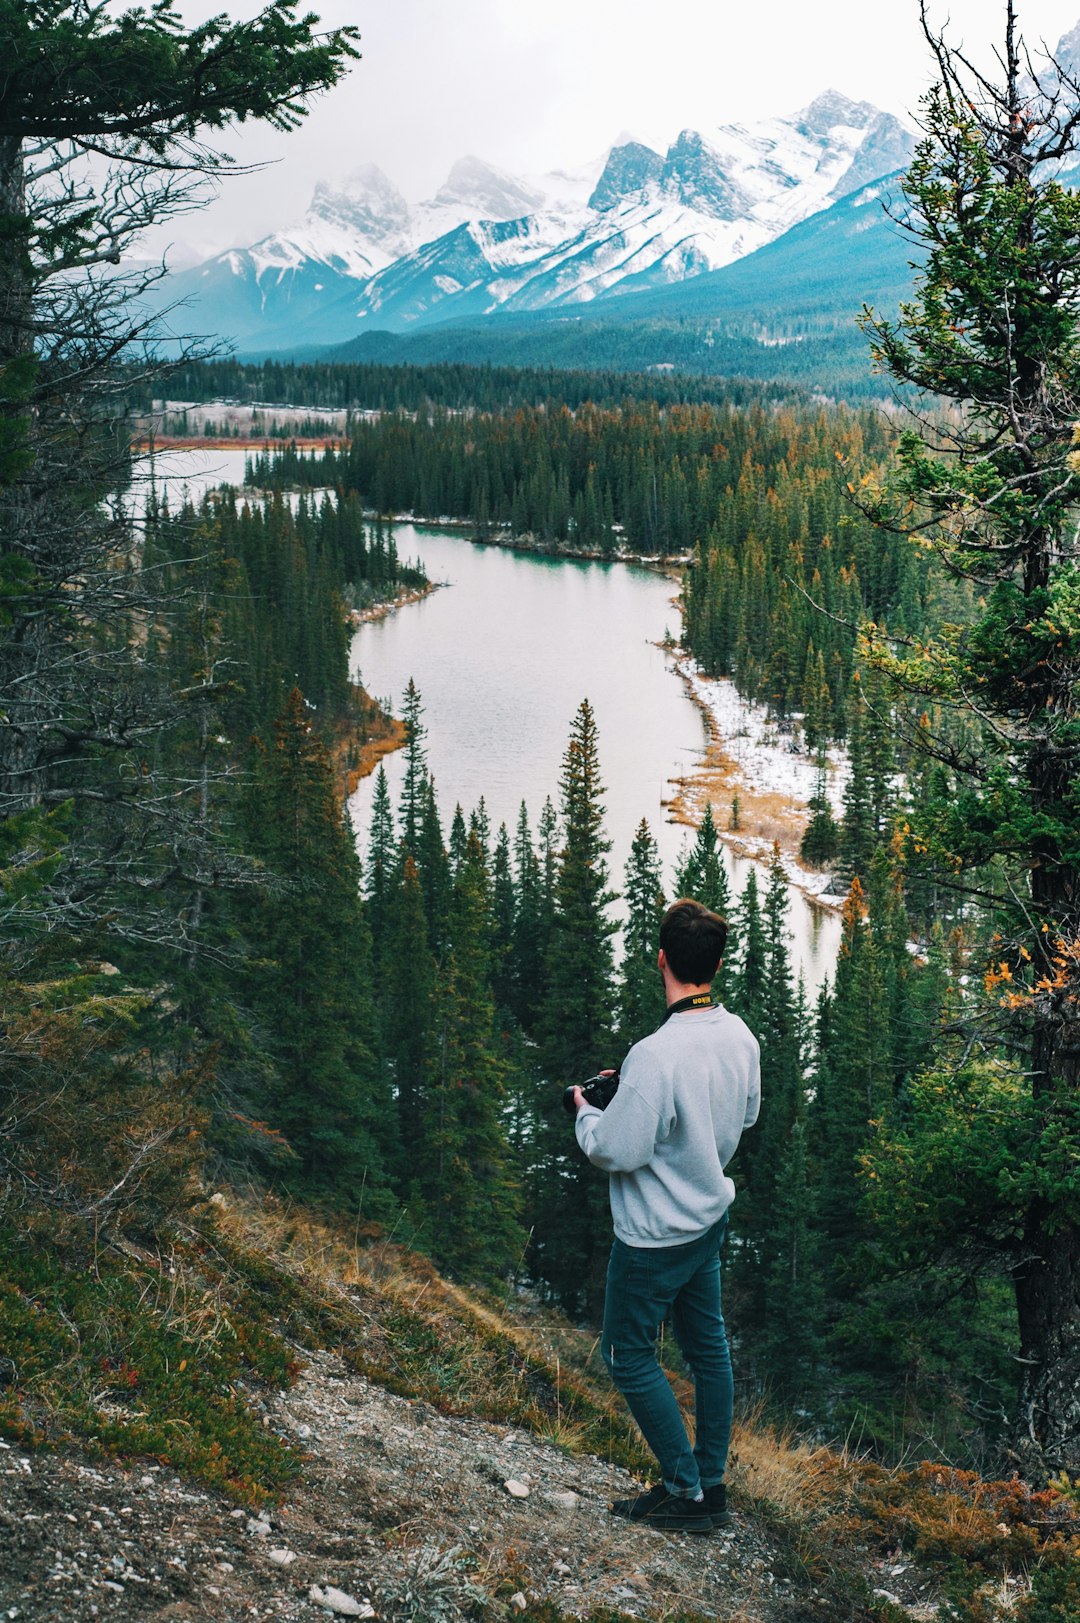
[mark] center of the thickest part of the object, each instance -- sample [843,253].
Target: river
[502,657]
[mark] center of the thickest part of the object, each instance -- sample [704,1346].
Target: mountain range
[633,225]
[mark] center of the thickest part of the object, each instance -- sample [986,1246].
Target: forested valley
[233,1043]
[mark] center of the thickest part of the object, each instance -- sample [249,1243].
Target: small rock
[565,1501]
[281,1558]
[516,1489]
[303,1431]
[117,1589]
[887,1594]
[518,1601]
[336,1600]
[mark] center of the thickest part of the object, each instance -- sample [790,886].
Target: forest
[206,986]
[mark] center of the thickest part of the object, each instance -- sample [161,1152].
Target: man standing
[685,1096]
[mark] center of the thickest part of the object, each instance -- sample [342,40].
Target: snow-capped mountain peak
[630,169]
[632,219]
[366,202]
[485,192]
[832,110]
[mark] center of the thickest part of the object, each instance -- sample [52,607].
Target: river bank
[532,546]
[749,760]
[361,738]
[390,605]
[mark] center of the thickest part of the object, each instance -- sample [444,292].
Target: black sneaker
[667,1511]
[716,1505]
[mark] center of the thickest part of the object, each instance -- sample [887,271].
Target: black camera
[598,1090]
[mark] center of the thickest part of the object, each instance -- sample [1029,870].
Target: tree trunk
[1047,1286]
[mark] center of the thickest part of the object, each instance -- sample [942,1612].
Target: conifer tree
[405,991]
[855,1087]
[641,992]
[532,927]
[503,918]
[462,1167]
[703,876]
[382,859]
[576,1027]
[820,842]
[414,784]
[433,866]
[312,990]
[748,975]
[858,834]
[992,328]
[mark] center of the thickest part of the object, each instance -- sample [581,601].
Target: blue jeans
[645,1285]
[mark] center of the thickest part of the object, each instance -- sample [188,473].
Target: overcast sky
[532,85]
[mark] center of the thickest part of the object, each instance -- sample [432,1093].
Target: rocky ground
[401,1512]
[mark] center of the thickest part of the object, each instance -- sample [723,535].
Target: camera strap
[699,1000]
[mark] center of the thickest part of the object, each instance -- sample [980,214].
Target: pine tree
[405,992]
[703,876]
[641,993]
[382,860]
[857,831]
[462,1168]
[503,919]
[312,990]
[433,866]
[576,1028]
[992,329]
[414,784]
[820,843]
[532,927]
[855,1087]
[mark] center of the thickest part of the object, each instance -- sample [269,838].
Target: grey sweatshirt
[686,1094]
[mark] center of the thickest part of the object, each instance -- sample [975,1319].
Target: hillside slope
[370,1440]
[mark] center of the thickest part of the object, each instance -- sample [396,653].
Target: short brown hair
[693,940]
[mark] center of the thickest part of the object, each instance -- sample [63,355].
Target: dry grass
[363,738]
[424,1336]
[764,814]
[794,1479]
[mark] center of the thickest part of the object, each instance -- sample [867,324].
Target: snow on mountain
[650,219]
[633,219]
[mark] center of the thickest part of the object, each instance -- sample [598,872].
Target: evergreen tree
[820,843]
[992,328]
[855,1087]
[312,991]
[641,991]
[532,927]
[433,866]
[414,784]
[576,1029]
[463,1176]
[703,876]
[405,992]
[857,831]
[503,919]
[381,864]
